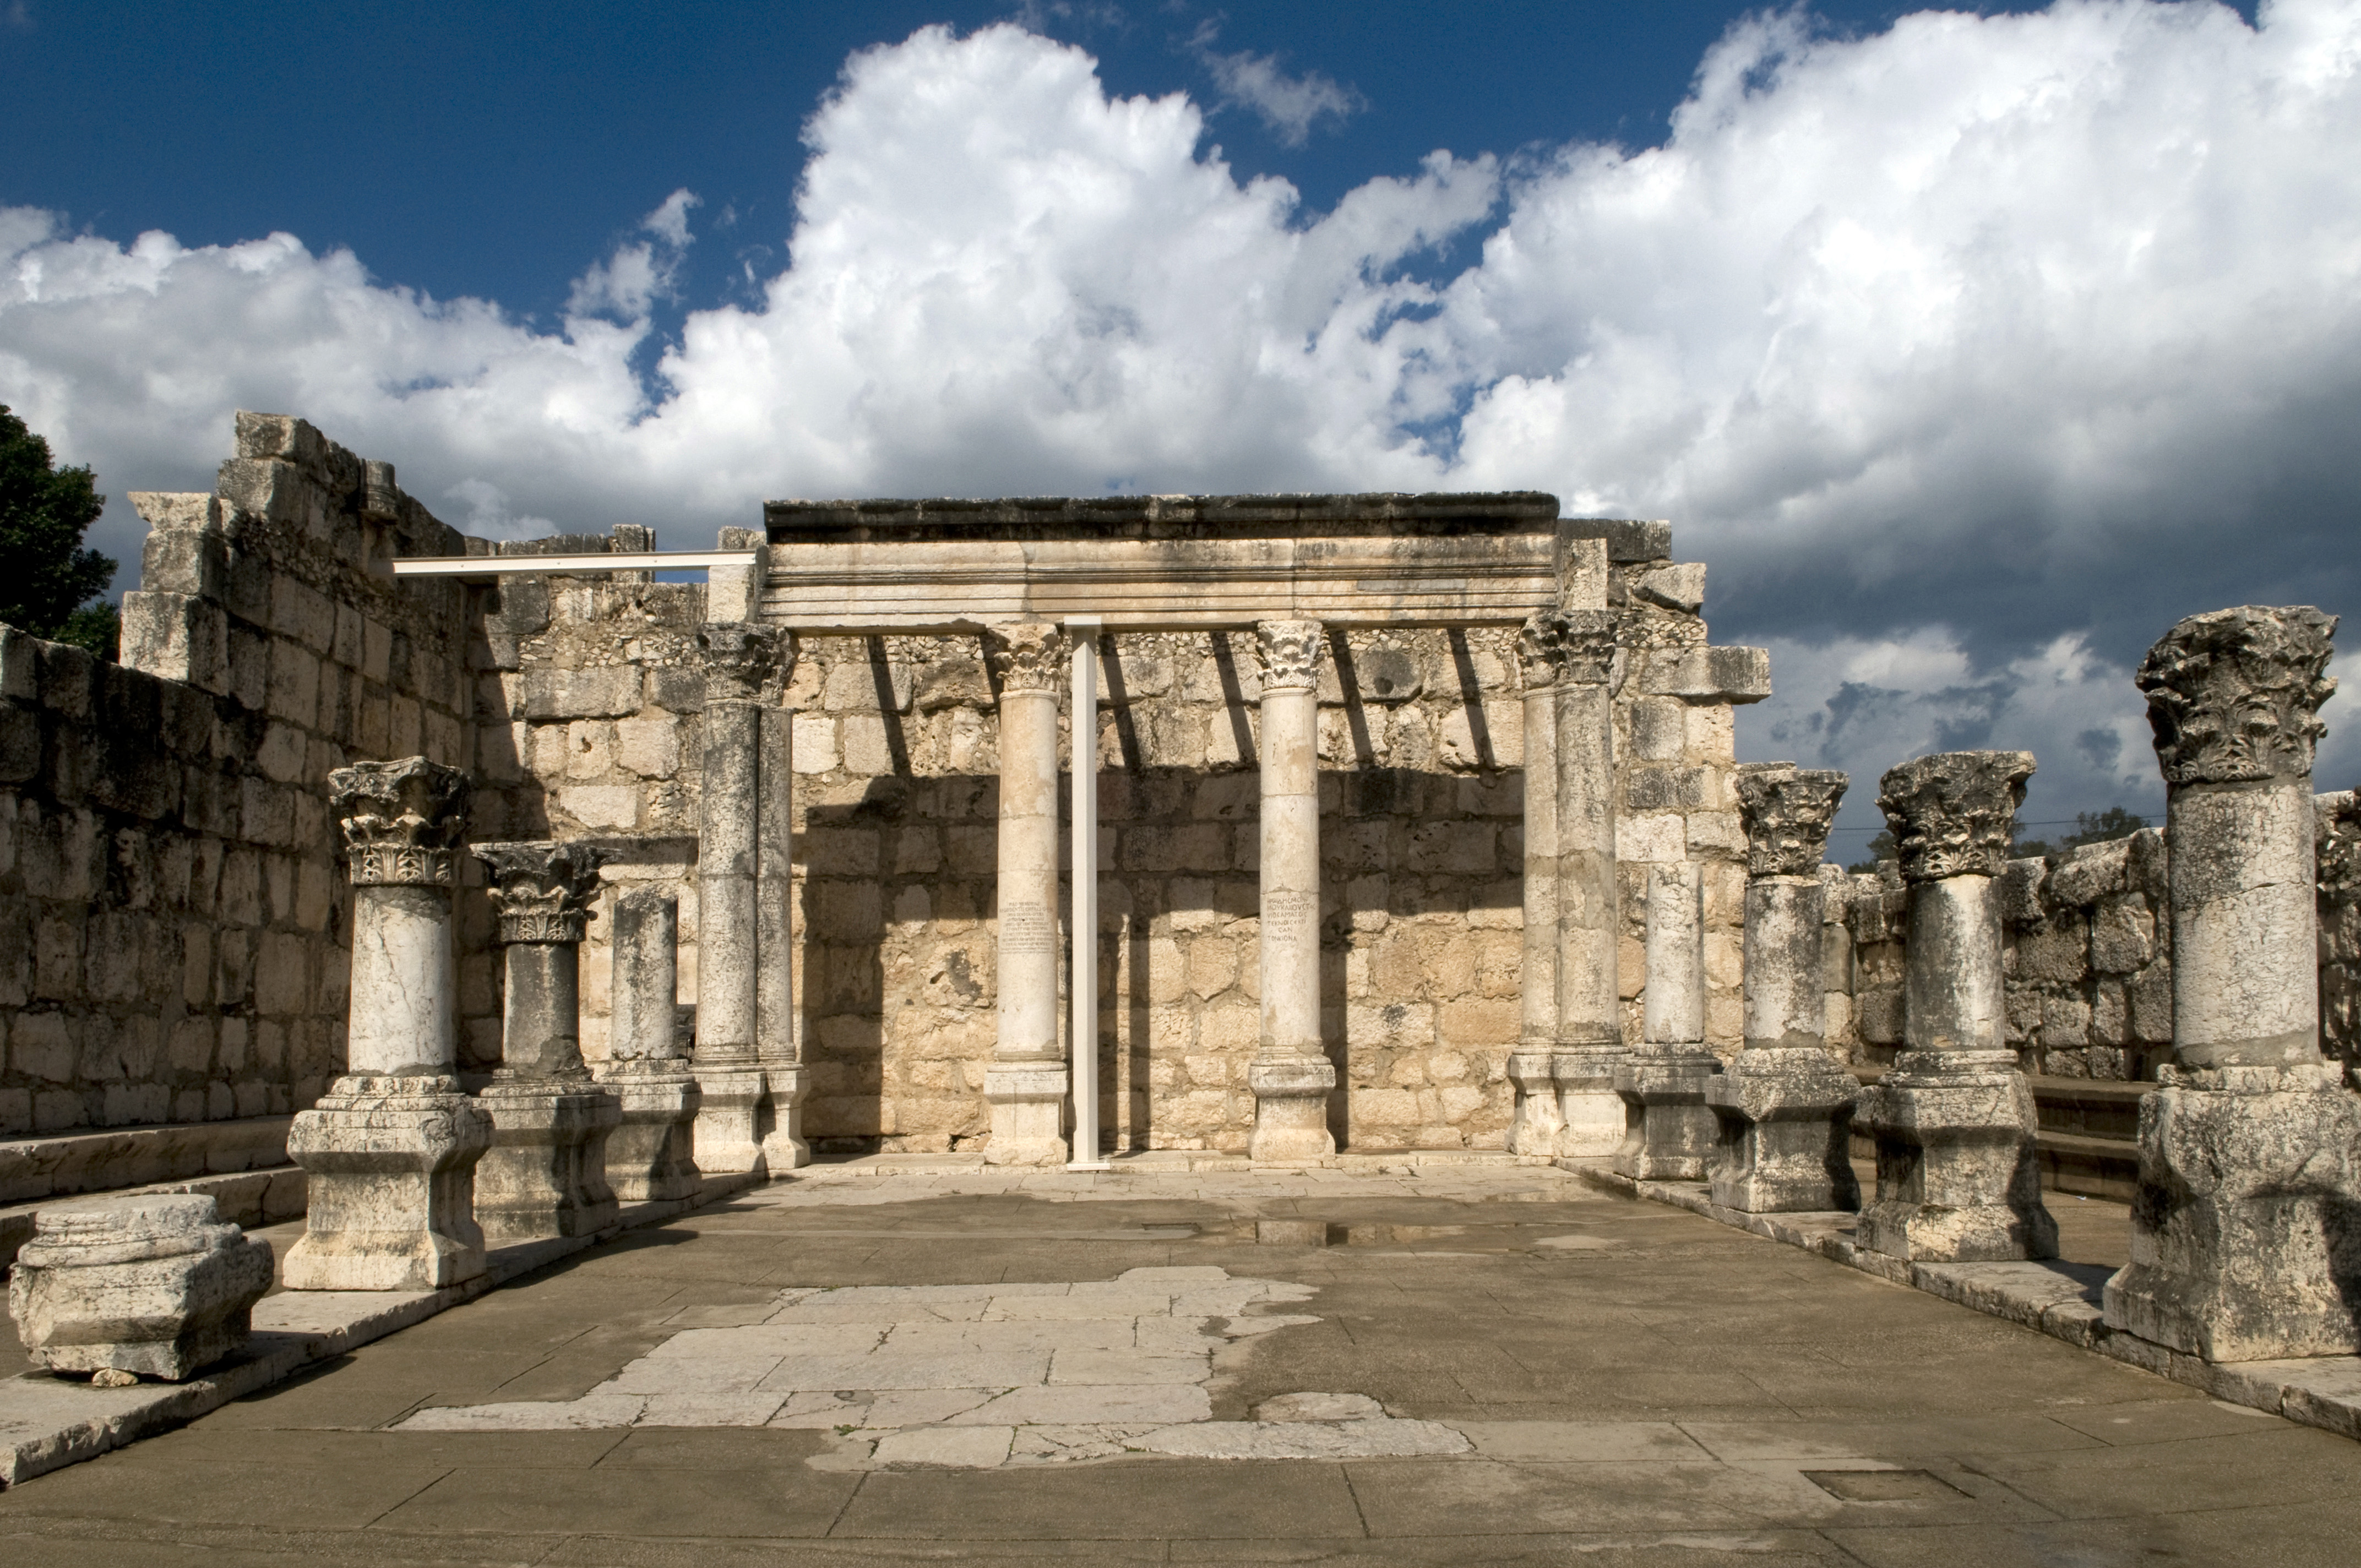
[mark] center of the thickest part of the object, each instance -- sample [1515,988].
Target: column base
[1537,1125]
[729,1124]
[389,1167]
[652,1153]
[1957,1180]
[1028,1113]
[1292,1111]
[1590,1113]
[152,1285]
[545,1174]
[784,1145]
[1668,1129]
[2243,1241]
[1785,1143]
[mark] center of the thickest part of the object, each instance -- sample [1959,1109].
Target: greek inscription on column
[1289,916]
[1027,929]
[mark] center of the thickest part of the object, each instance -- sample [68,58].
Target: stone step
[250,1199]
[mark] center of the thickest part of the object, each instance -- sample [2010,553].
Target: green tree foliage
[48,580]
[1880,849]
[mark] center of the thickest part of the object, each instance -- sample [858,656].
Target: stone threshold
[1176,1162]
[49,1423]
[2061,1300]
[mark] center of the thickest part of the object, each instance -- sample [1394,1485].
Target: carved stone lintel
[1589,655]
[1027,655]
[403,821]
[1291,654]
[1541,648]
[744,661]
[543,890]
[2235,695]
[1954,814]
[1788,810]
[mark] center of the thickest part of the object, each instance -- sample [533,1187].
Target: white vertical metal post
[1082,985]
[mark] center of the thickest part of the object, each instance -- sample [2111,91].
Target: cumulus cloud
[1971,353]
[1289,106]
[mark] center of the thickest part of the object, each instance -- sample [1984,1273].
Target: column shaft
[1027,1081]
[1292,1075]
[1668,1131]
[651,1155]
[1535,1129]
[1589,1013]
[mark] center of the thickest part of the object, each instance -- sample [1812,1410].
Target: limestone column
[1785,1142]
[545,1174]
[652,1153]
[1539,646]
[785,1077]
[2244,1240]
[1589,1013]
[1292,1075]
[741,668]
[1957,1180]
[389,1152]
[1026,1083]
[1668,1129]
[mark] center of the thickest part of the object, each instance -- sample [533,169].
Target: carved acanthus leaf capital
[543,890]
[1027,655]
[2337,842]
[2235,695]
[1541,648]
[1787,811]
[745,662]
[1291,654]
[1954,814]
[1589,648]
[402,821]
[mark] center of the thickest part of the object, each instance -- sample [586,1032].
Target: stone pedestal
[1290,1076]
[1786,1103]
[545,1174]
[389,1153]
[1589,1046]
[1537,1126]
[1668,1128]
[1957,1180]
[155,1285]
[2246,1232]
[390,1164]
[651,1155]
[732,1118]
[784,1147]
[1025,1082]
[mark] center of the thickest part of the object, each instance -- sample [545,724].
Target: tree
[1880,849]
[2089,827]
[48,579]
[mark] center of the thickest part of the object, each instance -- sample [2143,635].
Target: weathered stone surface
[2243,1244]
[391,1166]
[2337,851]
[651,1150]
[156,1284]
[2234,694]
[1026,1086]
[1954,812]
[1669,1130]
[1292,1075]
[544,1173]
[1787,812]
[1957,1181]
[1589,1010]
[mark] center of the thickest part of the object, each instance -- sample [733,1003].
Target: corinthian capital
[1588,646]
[744,661]
[1786,811]
[2234,694]
[1541,648]
[543,890]
[1291,654]
[1954,814]
[1027,655]
[402,821]
[2337,843]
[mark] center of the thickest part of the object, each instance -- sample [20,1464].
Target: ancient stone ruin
[498,885]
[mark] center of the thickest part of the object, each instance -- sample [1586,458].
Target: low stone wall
[2338,846]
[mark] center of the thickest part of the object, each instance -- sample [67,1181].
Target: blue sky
[1969,349]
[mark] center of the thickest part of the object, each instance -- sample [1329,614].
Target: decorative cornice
[1786,811]
[543,890]
[2235,695]
[1954,814]
[402,821]
[745,662]
[1027,655]
[1291,654]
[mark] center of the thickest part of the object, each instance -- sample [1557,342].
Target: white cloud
[1290,106]
[1973,354]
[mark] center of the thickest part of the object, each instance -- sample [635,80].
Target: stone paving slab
[2060,1299]
[48,1422]
[1670,1391]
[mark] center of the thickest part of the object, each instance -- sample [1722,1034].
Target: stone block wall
[2337,843]
[2086,949]
[172,901]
